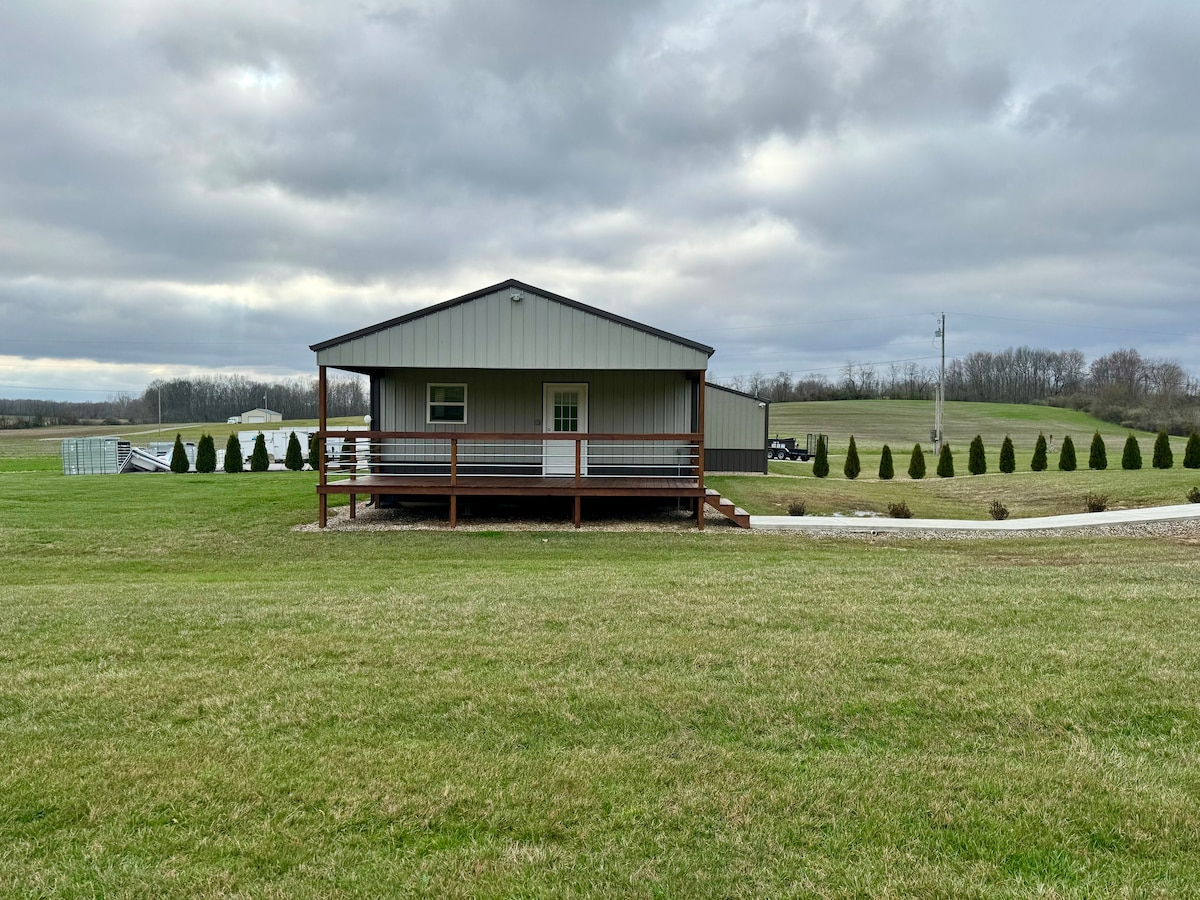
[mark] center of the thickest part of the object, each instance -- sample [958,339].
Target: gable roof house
[515,391]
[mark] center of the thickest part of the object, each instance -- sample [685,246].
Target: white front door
[564,411]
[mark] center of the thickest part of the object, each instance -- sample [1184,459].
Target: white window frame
[429,404]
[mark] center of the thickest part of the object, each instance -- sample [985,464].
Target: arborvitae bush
[797,507]
[179,460]
[1163,458]
[1098,454]
[206,454]
[259,460]
[1131,457]
[314,452]
[1038,463]
[852,467]
[1191,453]
[998,510]
[977,457]
[1008,457]
[945,466]
[916,465]
[821,458]
[899,510]
[349,455]
[294,459]
[886,470]
[1066,456]
[233,455]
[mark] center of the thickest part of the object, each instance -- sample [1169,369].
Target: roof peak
[511,283]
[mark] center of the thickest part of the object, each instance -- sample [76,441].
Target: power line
[1067,324]
[838,368]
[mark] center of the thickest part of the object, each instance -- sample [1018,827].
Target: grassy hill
[903,423]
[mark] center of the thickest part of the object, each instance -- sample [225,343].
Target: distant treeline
[1121,387]
[200,399]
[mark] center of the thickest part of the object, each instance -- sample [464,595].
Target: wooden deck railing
[349,454]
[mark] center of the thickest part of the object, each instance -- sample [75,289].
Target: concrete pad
[859,524]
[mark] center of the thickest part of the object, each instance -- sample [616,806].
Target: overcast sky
[212,186]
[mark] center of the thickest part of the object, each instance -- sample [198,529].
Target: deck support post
[353,505]
[578,511]
[700,501]
[453,510]
[323,503]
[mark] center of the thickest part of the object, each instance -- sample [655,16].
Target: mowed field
[901,424]
[197,700]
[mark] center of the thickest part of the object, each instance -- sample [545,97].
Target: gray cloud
[798,184]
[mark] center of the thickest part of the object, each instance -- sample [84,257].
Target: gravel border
[371,519]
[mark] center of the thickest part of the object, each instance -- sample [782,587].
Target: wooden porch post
[700,501]
[323,501]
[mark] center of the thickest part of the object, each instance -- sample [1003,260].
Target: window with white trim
[446,404]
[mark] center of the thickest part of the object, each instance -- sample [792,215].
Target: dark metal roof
[510,284]
[729,390]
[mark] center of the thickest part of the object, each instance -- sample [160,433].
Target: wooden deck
[510,486]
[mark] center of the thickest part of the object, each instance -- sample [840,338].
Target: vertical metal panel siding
[494,332]
[627,402]
[732,422]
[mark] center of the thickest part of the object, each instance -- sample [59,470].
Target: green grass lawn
[902,423]
[198,701]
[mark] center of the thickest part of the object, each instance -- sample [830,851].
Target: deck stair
[725,507]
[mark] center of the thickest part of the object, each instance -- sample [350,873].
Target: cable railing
[350,455]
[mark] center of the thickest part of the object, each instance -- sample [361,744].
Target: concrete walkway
[877,524]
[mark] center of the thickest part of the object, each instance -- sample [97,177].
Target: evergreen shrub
[294,460]
[998,510]
[233,455]
[314,452]
[821,458]
[1131,457]
[206,454]
[899,510]
[259,460]
[1191,453]
[886,470]
[977,457]
[1038,463]
[916,465]
[1066,456]
[1098,454]
[945,466]
[179,460]
[1008,458]
[852,467]
[1163,458]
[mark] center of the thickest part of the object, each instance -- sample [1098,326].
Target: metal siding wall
[625,402]
[492,332]
[732,422]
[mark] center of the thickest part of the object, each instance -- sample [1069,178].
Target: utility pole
[938,435]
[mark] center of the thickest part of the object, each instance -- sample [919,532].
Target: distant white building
[259,416]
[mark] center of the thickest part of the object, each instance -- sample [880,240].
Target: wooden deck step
[725,507]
